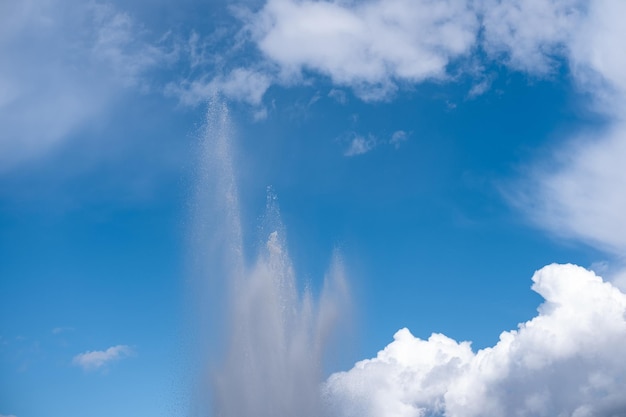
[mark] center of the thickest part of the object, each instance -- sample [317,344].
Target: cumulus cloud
[567,361]
[371,46]
[62,63]
[97,359]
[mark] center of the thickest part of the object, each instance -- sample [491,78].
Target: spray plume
[274,337]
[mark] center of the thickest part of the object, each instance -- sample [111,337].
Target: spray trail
[274,337]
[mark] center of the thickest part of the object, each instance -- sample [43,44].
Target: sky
[463,159]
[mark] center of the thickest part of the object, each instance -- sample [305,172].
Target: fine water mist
[265,339]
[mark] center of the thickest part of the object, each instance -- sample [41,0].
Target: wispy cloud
[578,190]
[64,63]
[371,48]
[339,95]
[398,138]
[97,359]
[359,145]
[569,360]
[240,84]
[60,330]
[529,36]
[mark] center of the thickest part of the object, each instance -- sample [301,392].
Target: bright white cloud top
[97,359]
[567,361]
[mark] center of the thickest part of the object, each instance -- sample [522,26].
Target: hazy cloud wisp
[98,359]
[63,64]
[577,192]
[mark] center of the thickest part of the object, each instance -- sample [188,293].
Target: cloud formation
[359,144]
[567,361]
[240,84]
[576,192]
[97,359]
[398,138]
[63,329]
[532,35]
[370,47]
[63,64]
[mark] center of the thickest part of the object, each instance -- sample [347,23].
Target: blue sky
[446,150]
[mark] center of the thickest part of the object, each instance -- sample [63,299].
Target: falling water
[273,337]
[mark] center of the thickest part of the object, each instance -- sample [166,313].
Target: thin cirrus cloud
[63,64]
[567,361]
[99,359]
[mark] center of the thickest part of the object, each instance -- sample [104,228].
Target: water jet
[272,337]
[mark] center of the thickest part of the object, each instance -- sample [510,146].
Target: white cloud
[579,192]
[479,87]
[359,145]
[376,47]
[63,63]
[97,359]
[5,415]
[398,138]
[370,46]
[576,192]
[597,63]
[530,34]
[567,361]
[240,84]
[118,45]
[534,35]
[339,95]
